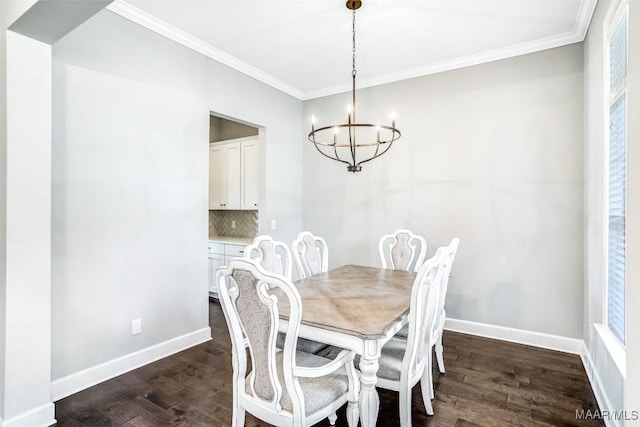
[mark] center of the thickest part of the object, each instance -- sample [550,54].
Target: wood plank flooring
[488,383]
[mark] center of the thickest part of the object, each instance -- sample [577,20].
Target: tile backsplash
[246,223]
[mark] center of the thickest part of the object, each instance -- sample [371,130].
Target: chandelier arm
[352,143]
[312,138]
[335,150]
[329,157]
[378,155]
[375,154]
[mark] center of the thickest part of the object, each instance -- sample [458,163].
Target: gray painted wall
[492,154]
[130,177]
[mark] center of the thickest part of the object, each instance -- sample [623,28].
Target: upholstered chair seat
[304,345]
[318,392]
[390,362]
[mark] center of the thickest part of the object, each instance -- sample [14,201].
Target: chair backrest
[402,250]
[251,310]
[448,256]
[273,255]
[422,314]
[310,253]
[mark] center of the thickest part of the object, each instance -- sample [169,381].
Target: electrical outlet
[233,224]
[136,326]
[273,224]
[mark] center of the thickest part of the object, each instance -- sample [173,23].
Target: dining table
[358,308]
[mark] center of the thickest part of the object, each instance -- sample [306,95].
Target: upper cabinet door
[224,176]
[233,176]
[249,174]
[217,177]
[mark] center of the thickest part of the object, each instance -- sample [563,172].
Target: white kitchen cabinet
[215,261]
[233,174]
[224,176]
[219,256]
[249,174]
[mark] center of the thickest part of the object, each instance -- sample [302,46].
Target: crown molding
[152,23]
[587,8]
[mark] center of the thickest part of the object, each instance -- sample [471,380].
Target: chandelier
[349,149]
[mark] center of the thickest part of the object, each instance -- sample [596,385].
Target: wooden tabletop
[357,300]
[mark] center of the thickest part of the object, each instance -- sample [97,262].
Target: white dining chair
[405,362]
[402,250]
[283,387]
[275,257]
[310,253]
[448,254]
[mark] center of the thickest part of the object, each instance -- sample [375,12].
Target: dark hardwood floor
[488,383]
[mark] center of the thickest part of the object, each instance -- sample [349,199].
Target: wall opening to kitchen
[233,178]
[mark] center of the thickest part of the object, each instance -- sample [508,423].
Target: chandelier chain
[353,70]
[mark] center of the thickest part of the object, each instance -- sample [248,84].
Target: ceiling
[303,47]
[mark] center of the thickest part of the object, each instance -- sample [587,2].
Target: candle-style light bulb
[335,135]
[393,116]
[378,132]
[313,122]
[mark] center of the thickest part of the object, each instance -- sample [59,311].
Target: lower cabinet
[215,261]
[219,256]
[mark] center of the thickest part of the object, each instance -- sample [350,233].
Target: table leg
[369,400]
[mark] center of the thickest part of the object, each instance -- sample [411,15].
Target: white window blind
[617,180]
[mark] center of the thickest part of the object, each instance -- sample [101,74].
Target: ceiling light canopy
[358,143]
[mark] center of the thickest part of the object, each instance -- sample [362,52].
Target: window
[616,243]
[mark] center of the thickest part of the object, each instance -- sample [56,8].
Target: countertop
[231,240]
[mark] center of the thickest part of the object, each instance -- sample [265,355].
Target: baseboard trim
[596,385]
[74,383]
[41,416]
[536,339]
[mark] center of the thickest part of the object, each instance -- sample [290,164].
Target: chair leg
[439,354]
[238,417]
[405,405]
[426,390]
[332,419]
[426,384]
[353,407]
[353,414]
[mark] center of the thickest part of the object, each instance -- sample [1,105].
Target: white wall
[130,174]
[612,380]
[490,153]
[25,69]
[632,383]
[28,272]
[617,392]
